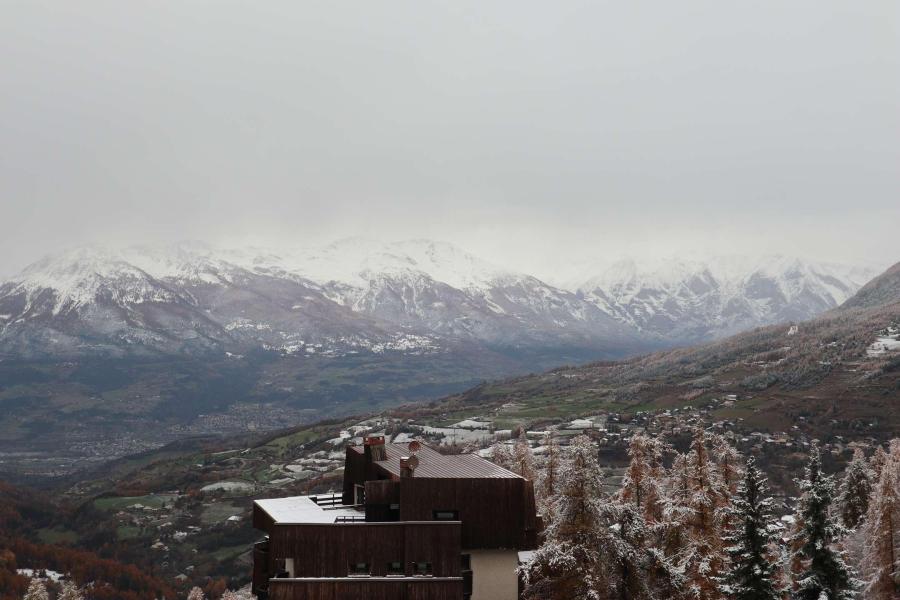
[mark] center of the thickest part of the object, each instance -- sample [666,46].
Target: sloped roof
[434,465]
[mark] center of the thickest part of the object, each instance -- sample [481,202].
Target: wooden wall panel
[327,550]
[358,589]
[384,491]
[495,513]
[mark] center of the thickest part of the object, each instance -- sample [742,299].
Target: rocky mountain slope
[415,296]
[350,297]
[693,301]
[839,373]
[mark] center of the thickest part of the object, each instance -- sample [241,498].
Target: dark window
[422,569]
[446,515]
[395,568]
[359,569]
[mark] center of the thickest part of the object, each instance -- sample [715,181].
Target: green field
[116,503]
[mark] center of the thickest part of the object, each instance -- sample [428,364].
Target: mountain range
[417,296]
[836,376]
[105,353]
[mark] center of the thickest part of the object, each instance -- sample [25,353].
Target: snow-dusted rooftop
[303,509]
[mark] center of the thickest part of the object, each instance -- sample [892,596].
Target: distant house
[411,523]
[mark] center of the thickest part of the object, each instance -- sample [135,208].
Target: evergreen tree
[879,458]
[881,532]
[594,547]
[70,592]
[36,590]
[523,459]
[703,557]
[567,564]
[548,481]
[501,455]
[855,491]
[824,575]
[196,594]
[643,483]
[751,576]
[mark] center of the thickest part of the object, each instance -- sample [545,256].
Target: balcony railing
[328,500]
[350,519]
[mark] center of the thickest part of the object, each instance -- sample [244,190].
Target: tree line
[701,525]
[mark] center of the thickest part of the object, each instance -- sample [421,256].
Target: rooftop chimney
[374,448]
[408,465]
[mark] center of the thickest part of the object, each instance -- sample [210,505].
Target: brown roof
[433,464]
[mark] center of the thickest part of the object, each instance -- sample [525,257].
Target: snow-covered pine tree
[881,532]
[643,484]
[549,475]
[567,565]
[501,455]
[824,575]
[523,459]
[594,547]
[752,574]
[879,457]
[70,592]
[196,594]
[673,531]
[855,490]
[728,465]
[703,558]
[36,590]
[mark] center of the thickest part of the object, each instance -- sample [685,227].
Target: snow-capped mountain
[359,295]
[688,300]
[351,296]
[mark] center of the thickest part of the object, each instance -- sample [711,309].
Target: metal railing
[328,499]
[350,519]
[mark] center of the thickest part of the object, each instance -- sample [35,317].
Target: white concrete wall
[494,575]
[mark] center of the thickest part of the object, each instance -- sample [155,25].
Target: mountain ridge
[358,293]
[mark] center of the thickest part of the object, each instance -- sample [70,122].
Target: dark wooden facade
[405,521]
[368,589]
[495,512]
[326,550]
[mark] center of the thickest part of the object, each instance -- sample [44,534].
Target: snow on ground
[883,345]
[460,436]
[52,575]
[472,424]
[228,486]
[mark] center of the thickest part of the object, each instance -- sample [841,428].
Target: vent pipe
[408,465]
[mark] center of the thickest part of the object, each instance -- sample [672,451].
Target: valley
[182,511]
[108,352]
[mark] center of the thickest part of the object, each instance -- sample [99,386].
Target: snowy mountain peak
[693,300]
[361,292]
[356,261]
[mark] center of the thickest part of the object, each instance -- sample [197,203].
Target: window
[395,568]
[422,569]
[446,515]
[360,569]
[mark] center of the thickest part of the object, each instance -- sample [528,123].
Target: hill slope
[841,371]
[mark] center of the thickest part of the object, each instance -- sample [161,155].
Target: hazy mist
[527,132]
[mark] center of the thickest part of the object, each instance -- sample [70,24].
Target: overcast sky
[527,132]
